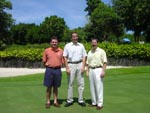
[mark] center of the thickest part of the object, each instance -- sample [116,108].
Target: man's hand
[102,74]
[68,71]
[82,70]
[46,64]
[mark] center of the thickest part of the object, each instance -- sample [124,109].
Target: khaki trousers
[75,72]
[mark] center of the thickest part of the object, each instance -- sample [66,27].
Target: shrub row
[134,51]
[23,54]
[115,51]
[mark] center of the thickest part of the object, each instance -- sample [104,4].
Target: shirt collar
[96,49]
[56,50]
[74,44]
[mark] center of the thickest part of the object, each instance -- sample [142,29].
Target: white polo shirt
[96,58]
[74,52]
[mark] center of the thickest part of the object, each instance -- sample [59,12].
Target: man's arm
[66,64]
[87,70]
[103,69]
[44,58]
[83,64]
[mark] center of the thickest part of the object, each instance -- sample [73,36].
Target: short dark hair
[73,33]
[95,39]
[55,38]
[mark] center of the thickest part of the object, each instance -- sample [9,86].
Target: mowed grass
[126,90]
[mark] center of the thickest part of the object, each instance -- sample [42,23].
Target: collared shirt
[74,52]
[53,58]
[96,58]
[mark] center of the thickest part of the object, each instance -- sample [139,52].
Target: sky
[35,11]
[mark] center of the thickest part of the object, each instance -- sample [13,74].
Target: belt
[75,62]
[58,67]
[95,67]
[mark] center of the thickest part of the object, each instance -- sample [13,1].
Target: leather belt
[58,67]
[95,67]
[75,62]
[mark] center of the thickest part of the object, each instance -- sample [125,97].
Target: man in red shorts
[52,59]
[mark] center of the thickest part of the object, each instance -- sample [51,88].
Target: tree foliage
[104,22]
[5,20]
[135,14]
[51,26]
[31,33]
[91,6]
[25,33]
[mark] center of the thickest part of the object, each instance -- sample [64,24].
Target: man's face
[74,38]
[54,43]
[94,43]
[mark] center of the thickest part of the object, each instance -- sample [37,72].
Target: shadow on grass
[88,101]
[60,101]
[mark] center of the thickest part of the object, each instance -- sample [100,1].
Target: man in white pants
[96,65]
[75,58]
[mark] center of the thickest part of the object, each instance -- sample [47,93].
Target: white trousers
[75,72]
[96,86]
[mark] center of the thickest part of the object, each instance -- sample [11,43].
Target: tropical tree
[5,21]
[51,26]
[135,14]
[104,22]
[91,6]
[33,34]
[25,33]
[67,35]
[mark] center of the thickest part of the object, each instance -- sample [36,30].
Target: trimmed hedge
[23,54]
[134,51]
[34,53]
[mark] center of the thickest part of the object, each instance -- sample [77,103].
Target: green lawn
[126,90]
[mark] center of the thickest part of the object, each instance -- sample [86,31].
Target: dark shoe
[91,105]
[99,107]
[56,105]
[82,104]
[68,104]
[47,105]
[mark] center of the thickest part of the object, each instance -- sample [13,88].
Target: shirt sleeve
[104,57]
[63,61]
[87,61]
[44,56]
[65,51]
[84,52]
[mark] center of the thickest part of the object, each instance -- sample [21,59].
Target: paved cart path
[8,72]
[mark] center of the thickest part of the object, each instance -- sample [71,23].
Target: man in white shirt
[75,58]
[96,65]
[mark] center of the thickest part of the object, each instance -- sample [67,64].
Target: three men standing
[75,60]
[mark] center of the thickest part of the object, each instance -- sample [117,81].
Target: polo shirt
[74,52]
[96,58]
[53,58]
